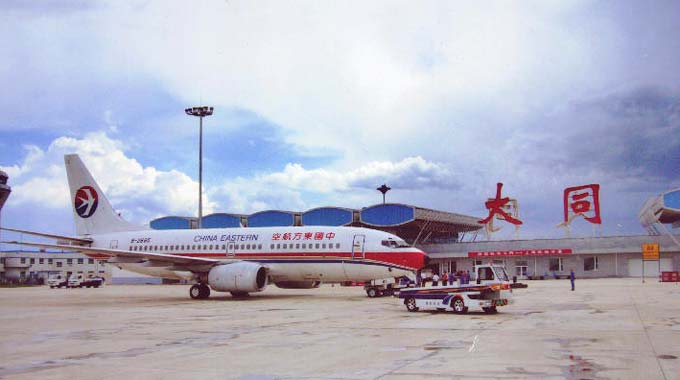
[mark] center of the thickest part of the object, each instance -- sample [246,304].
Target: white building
[21,266]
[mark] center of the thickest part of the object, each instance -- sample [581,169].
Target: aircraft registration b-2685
[236,260]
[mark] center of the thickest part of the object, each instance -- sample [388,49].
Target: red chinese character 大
[276,236]
[495,207]
[582,200]
[330,235]
[308,235]
[318,236]
[287,236]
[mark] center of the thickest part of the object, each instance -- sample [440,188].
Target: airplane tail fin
[92,212]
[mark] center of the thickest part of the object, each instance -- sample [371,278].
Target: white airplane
[235,260]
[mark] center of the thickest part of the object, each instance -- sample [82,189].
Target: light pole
[4,192]
[384,189]
[200,112]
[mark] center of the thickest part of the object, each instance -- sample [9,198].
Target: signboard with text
[650,251]
[522,252]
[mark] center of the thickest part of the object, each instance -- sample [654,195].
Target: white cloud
[141,193]
[298,188]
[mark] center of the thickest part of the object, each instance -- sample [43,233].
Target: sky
[318,103]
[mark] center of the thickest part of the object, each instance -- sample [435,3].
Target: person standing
[445,278]
[435,280]
[572,278]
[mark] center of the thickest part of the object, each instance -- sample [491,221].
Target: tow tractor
[490,290]
[387,286]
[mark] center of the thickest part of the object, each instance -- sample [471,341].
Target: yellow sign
[650,251]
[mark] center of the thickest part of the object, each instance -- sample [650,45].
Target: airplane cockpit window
[392,243]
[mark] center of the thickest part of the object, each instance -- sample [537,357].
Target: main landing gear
[199,291]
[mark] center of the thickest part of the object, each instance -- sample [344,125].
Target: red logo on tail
[86,201]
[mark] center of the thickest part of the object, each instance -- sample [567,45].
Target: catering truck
[490,290]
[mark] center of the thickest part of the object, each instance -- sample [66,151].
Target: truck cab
[57,281]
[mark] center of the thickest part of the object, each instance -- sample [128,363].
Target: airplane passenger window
[323,245]
[259,246]
[271,246]
[337,245]
[297,246]
[317,245]
[285,246]
[205,247]
[278,246]
[182,247]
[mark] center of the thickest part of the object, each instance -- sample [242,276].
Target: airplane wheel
[205,291]
[458,306]
[411,304]
[195,291]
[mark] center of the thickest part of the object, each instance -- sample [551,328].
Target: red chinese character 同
[276,236]
[582,200]
[318,236]
[495,207]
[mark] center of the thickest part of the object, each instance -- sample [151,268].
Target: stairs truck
[490,290]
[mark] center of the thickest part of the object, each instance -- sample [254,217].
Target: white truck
[57,281]
[80,281]
[490,290]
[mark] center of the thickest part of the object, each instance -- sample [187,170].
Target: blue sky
[319,103]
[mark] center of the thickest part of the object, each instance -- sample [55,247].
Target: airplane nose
[426,259]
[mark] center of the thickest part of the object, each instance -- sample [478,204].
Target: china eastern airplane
[236,260]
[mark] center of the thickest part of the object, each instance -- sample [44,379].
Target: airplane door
[114,244]
[231,249]
[358,247]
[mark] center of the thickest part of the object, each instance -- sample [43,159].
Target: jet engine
[240,277]
[298,284]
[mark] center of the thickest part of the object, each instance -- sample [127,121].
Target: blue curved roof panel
[327,216]
[221,220]
[171,223]
[388,215]
[672,199]
[271,219]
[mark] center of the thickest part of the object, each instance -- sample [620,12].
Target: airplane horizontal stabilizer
[72,240]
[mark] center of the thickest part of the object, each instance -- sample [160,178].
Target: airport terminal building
[453,243]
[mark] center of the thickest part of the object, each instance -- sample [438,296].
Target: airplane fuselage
[309,253]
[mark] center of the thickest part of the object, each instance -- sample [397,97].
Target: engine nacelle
[298,284]
[240,277]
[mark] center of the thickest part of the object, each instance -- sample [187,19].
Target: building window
[80,261]
[49,261]
[90,261]
[69,261]
[32,261]
[590,264]
[555,265]
[41,261]
[23,260]
[59,264]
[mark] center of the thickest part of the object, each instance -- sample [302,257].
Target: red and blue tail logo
[86,201]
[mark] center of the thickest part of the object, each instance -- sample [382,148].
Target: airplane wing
[72,240]
[193,264]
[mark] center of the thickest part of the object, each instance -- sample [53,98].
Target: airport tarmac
[606,329]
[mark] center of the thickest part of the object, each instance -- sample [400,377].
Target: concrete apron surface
[606,329]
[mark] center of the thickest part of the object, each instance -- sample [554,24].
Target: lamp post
[4,192]
[384,189]
[200,112]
